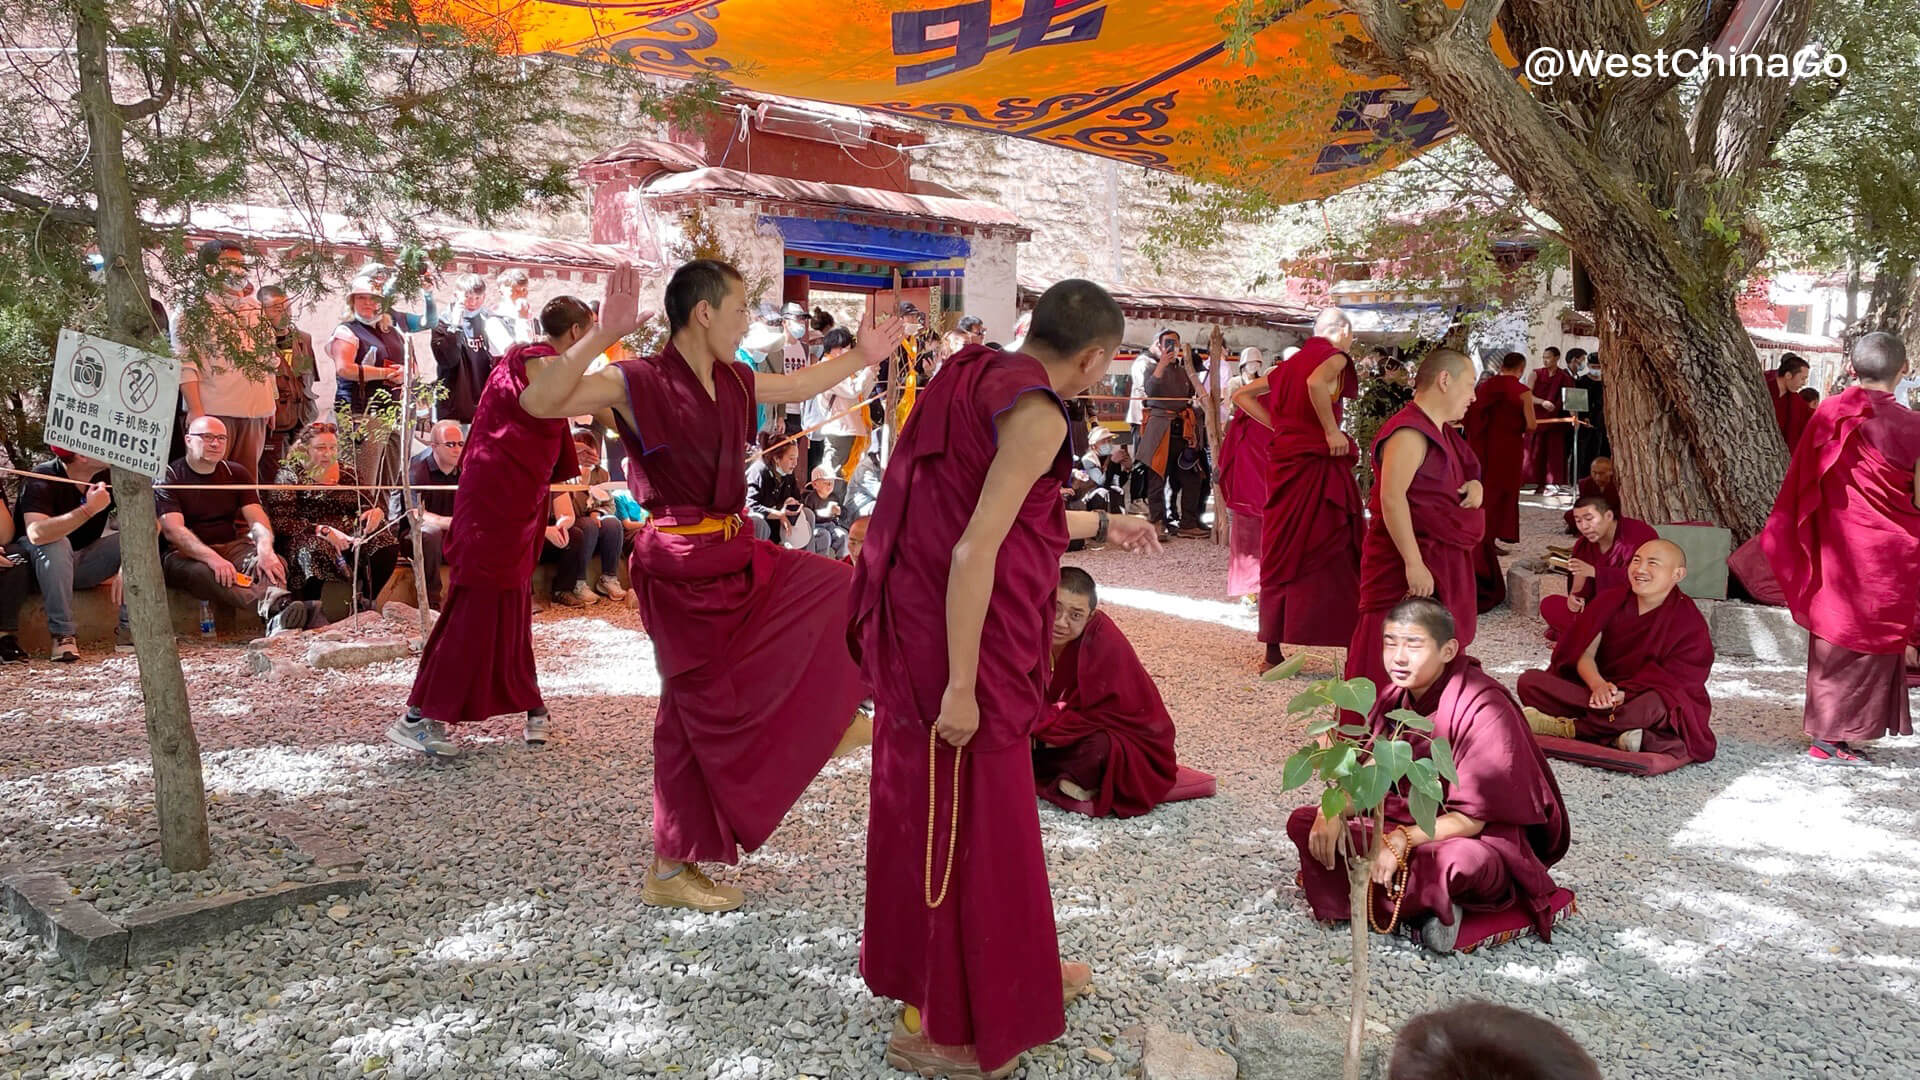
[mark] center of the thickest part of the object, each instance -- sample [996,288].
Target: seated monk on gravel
[1632,670]
[1503,822]
[1479,1040]
[1105,737]
[1607,544]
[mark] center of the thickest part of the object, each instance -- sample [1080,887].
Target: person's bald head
[1658,567]
[1334,325]
[1601,470]
[206,442]
[857,535]
[447,442]
[1879,357]
[1077,327]
[1444,385]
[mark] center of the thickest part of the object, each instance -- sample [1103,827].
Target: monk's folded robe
[1791,412]
[1547,446]
[1496,426]
[1844,542]
[984,966]
[1748,565]
[1243,484]
[1101,694]
[1489,581]
[1609,570]
[1447,534]
[1660,660]
[756,685]
[1505,781]
[1310,564]
[478,661]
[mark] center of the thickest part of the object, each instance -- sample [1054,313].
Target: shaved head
[1332,321]
[1658,567]
[1452,361]
[1513,361]
[1879,357]
[1669,550]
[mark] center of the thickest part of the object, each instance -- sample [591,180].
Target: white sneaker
[430,737]
[609,587]
[535,733]
[1629,741]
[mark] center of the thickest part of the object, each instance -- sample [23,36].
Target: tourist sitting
[329,535]
[203,550]
[15,577]
[1478,1040]
[1503,822]
[62,529]
[437,466]
[581,527]
[1607,544]
[825,499]
[1632,670]
[593,511]
[1105,738]
[773,492]
[1601,481]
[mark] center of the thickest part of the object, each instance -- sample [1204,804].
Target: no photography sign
[112,402]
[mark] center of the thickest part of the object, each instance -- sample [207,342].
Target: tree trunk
[179,793]
[1359,881]
[1217,347]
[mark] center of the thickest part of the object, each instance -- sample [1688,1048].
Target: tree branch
[68,215]
[169,74]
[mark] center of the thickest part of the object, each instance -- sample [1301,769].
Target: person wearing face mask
[369,358]
[217,378]
[465,347]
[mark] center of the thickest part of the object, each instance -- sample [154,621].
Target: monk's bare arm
[1030,435]
[1532,421]
[562,388]
[1322,386]
[1446,827]
[1589,667]
[876,344]
[1247,400]
[1406,449]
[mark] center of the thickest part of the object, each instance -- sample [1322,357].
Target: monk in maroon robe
[1606,546]
[757,687]
[953,604]
[1547,446]
[1600,481]
[1631,672]
[1106,738]
[1498,424]
[1426,519]
[478,661]
[1791,412]
[1310,564]
[1503,822]
[1243,484]
[1844,542]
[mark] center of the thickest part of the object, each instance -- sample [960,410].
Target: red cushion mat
[1485,929]
[1187,784]
[1606,757]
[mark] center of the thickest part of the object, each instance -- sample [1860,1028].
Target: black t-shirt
[53,498]
[212,516]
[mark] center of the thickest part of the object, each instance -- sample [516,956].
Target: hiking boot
[1629,741]
[10,650]
[909,1050]
[427,736]
[1542,724]
[1195,532]
[1438,936]
[535,733]
[609,587]
[65,650]
[687,887]
[122,639]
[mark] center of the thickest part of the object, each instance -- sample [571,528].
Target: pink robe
[478,661]
[1310,562]
[1844,542]
[1101,688]
[1504,781]
[984,966]
[1547,446]
[1609,571]
[1447,534]
[756,683]
[1497,430]
[1243,483]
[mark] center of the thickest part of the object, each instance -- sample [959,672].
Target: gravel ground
[1754,917]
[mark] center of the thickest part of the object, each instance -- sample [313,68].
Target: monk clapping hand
[879,341]
[620,309]
[1132,533]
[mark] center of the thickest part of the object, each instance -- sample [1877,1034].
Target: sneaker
[122,639]
[535,733]
[10,650]
[1833,753]
[609,587]
[909,1050]
[1542,724]
[427,736]
[65,650]
[689,888]
[581,596]
[1629,741]
[1438,936]
[1195,532]
[288,614]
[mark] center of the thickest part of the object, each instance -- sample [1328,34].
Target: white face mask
[365,321]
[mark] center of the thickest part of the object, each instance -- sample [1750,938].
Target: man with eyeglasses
[202,500]
[436,466]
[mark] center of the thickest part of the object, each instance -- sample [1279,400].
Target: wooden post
[1217,350]
[408,498]
[889,416]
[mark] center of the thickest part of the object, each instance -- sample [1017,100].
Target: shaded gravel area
[1758,916]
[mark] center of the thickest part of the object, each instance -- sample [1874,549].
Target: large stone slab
[1757,631]
[166,928]
[72,927]
[1288,1046]
[351,654]
[1707,548]
[1174,1055]
[1526,585]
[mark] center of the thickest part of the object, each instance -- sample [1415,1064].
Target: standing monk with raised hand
[1498,425]
[1426,516]
[478,661]
[757,686]
[953,608]
[1310,558]
[1844,542]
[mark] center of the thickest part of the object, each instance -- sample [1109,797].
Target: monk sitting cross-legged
[1106,738]
[1607,544]
[1503,821]
[1632,670]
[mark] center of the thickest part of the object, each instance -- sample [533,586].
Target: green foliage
[1359,766]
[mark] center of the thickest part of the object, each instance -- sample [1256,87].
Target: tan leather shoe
[1630,740]
[1076,981]
[859,733]
[1542,724]
[909,1050]
[689,889]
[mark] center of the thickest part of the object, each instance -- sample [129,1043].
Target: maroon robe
[984,966]
[1243,483]
[1310,559]
[756,686]
[1497,430]
[1590,488]
[1791,412]
[1447,533]
[478,661]
[1504,781]
[1547,446]
[1609,570]
[1666,653]
[1844,541]
[1748,565]
[1099,686]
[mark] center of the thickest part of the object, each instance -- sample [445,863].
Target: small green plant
[1359,767]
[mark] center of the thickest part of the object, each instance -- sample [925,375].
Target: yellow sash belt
[728,525]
